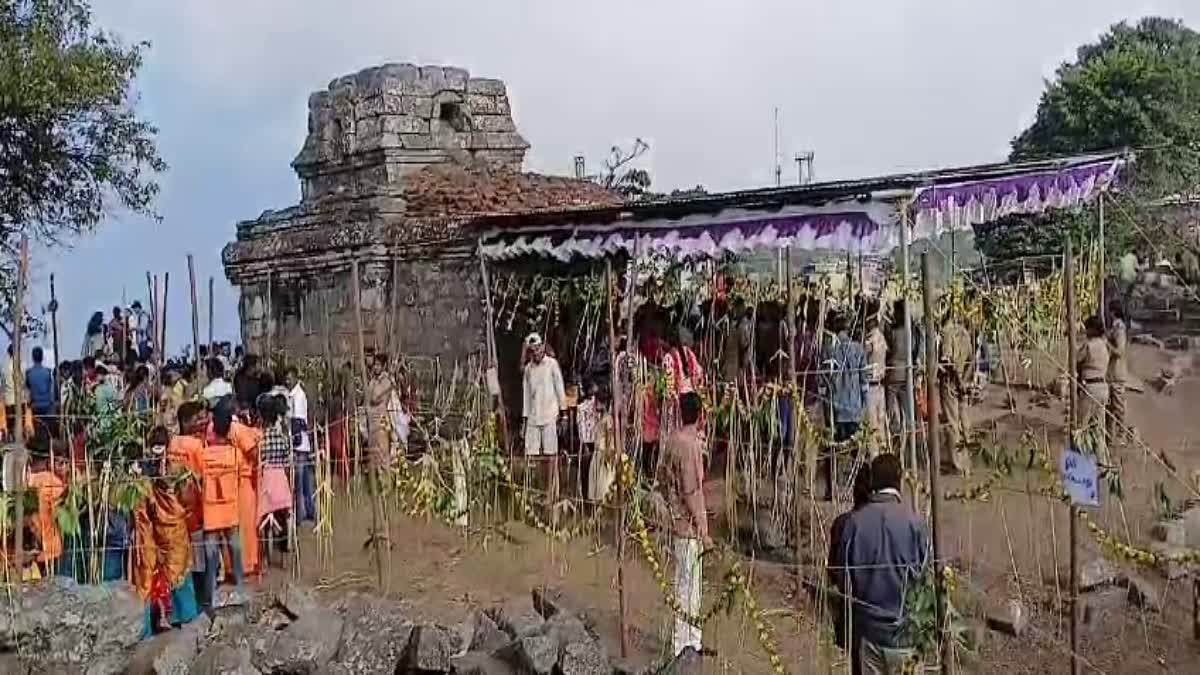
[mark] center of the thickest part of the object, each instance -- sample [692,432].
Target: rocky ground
[63,627]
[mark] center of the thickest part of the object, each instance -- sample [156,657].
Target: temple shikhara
[397,159]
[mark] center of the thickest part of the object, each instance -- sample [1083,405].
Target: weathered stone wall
[369,128]
[439,311]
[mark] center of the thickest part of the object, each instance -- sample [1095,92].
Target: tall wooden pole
[161,338]
[18,478]
[1072,406]
[152,300]
[195,319]
[1101,310]
[211,344]
[630,350]
[619,436]
[909,430]
[797,402]
[58,356]
[393,332]
[270,327]
[493,359]
[373,473]
[933,441]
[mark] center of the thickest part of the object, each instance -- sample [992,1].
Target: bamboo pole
[910,397]
[195,320]
[1100,287]
[797,402]
[1072,406]
[933,441]
[212,346]
[270,327]
[152,299]
[161,338]
[18,478]
[630,346]
[493,359]
[373,472]
[58,374]
[393,333]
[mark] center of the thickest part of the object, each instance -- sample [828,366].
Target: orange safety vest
[220,475]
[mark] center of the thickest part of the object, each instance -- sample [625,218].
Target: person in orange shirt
[185,451]
[245,439]
[50,489]
[219,475]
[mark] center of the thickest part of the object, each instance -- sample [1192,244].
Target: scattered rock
[65,625]
[221,659]
[549,601]
[535,654]
[1099,603]
[517,619]
[1010,618]
[479,663]
[1095,573]
[227,619]
[565,629]
[275,619]
[1172,532]
[1142,594]
[584,658]
[296,599]
[306,646]
[1147,339]
[429,650]
[486,636]
[687,662]
[374,637]
[169,653]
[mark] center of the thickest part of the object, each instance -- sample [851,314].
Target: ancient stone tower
[396,158]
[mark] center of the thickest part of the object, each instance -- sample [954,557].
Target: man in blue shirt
[885,551]
[844,385]
[39,380]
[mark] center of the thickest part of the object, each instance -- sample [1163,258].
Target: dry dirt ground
[1008,547]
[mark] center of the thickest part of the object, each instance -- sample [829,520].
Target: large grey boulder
[480,663]
[170,653]
[429,650]
[306,646]
[67,625]
[375,634]
[222,659]
[296,599]
[518,619]
[584,658]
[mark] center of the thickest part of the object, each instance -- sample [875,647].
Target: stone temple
[397,159]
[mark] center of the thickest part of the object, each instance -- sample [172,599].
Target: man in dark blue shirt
[39,380]
[885,550]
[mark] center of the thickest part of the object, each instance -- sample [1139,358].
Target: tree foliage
[632,183]
[1137,87]
[71,144]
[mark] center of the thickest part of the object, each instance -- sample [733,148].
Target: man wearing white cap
[544,396]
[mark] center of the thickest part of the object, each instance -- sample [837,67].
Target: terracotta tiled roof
[479,189]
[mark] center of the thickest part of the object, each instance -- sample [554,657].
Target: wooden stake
[909,414]
[797,403]
[619,440]
[1072,406]
[393,332]
[18,478]
[58,358]
[933,441]
[161,338]
[195,320]
[493,359]
[373,472]
[212,346]
[270,327]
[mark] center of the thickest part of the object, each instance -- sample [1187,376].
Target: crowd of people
[852,380]
[224,446]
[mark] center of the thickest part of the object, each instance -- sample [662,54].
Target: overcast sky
[871,86]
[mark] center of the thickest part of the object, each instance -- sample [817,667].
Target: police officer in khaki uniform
[1118,372]
[1091,367]
[954,367]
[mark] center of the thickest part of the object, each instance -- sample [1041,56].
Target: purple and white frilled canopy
[938,208]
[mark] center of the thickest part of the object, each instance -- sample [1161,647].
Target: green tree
[72,147]
[1137,87]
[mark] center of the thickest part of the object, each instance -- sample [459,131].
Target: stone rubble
[292,632]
